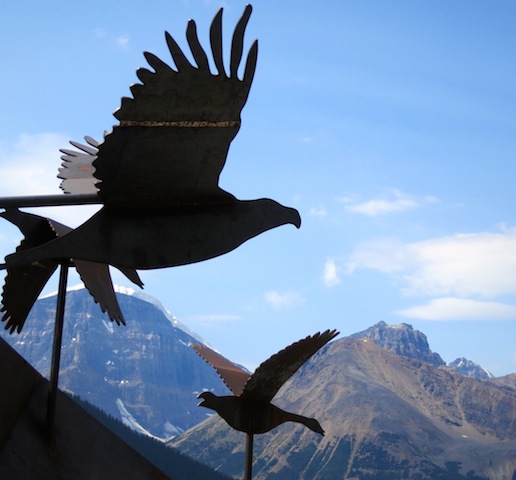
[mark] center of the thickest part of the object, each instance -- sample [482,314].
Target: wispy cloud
[393,202]
[29,166]
[123,41]
[462,264]
[330,274]
[283,300]
[211,319]
[319,211]
[460,273]
[99,33]
[450,308]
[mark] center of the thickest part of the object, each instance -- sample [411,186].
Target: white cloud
[123,41]
[99,33]
[283,300]
[29,166]
[383,255]
[330,273]
[319,211]
[476,264]
[213,318]
[395,201]
[451,308]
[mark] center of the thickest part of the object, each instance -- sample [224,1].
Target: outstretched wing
[77,168]
[274,372]
[22,288]
[234,377]
[174,134]
[24,284]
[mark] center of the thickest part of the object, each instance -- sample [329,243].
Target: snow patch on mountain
[132,423]
[109,326]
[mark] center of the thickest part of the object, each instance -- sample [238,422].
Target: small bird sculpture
[250,409]
[23,284]
[157,172]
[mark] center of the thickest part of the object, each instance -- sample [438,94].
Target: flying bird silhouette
[250,409]
[157,173]
[23,284]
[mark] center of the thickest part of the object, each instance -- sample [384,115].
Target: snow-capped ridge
[123,290]
[129,291]
[470,369]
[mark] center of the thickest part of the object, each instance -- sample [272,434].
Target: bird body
[179,234]
[254,417]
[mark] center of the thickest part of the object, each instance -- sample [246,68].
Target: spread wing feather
[233,376]
[77,168]
[174,133]
[274,372]
[22,288]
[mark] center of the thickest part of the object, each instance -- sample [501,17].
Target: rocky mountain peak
[470,369]
[402,339]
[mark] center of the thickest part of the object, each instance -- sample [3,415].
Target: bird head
[208,400]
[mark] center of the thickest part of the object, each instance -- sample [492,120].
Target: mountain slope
[386,416]
[145,373]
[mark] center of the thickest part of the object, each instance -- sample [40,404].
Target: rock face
[145,373]
[408,342]
[386,417]
[403,340]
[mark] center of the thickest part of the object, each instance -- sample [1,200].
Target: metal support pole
[249,457]
[50,200]
[56,351]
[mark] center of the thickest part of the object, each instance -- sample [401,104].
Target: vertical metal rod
[56,351]
[249,457]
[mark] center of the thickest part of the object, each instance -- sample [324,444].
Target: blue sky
[390,126]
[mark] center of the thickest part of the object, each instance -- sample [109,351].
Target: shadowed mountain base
[84,449]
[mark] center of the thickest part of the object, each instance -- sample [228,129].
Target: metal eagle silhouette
[250,409]
[157,173]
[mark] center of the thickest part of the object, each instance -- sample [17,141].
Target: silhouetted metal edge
[50,200]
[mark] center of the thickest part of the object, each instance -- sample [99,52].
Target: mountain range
[390,406]
[386,416]
[145,373]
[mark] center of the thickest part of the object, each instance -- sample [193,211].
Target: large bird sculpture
[23,284]
[157,173]
[250,409]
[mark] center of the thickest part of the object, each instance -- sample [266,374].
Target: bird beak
[203,400]
[296,218]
